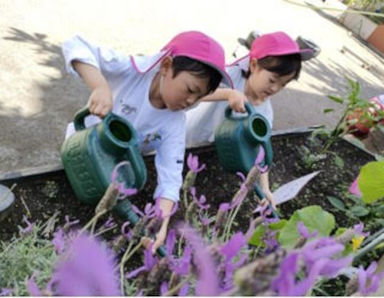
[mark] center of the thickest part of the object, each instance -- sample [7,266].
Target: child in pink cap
[273,61]
[151,92]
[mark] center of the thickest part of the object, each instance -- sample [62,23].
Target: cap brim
[225,78]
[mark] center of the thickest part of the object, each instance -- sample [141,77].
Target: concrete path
[38,99]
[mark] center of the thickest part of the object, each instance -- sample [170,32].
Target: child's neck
[154,93]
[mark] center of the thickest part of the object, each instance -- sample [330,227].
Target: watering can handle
[248,106]
[79,118]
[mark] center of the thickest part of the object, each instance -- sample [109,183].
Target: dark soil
[50,192]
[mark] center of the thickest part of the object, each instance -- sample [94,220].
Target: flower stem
[127,255]
[178,286]
[93,220]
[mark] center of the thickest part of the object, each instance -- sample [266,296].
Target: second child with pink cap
[151,92]
[273,61]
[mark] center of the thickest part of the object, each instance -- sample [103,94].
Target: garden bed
[44,194]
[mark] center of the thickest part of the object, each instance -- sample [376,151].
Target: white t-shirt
[130,79]
[203,119]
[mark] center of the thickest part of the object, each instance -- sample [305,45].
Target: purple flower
[163,288]
[6,292]
[259,158]
[270,241]
[304,232]
[233,246]
[199,202]
[193,163]
[32,287]
[359,230]
[318,258]
[86,270]
[369,282]
[109,223]
[205,221]
[354,188]
[224,207]
[325,248]
[208,281]
[127,233]
[58,241]
[123,191]
[170,242]
[150,261]
[182,265]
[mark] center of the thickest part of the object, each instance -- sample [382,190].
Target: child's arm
[166,207]
[100,101]
[235,98]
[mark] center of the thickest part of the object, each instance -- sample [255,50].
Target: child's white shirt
[203,119]
[161,130]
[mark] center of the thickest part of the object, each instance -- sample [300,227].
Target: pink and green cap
[199,46]
[277,44]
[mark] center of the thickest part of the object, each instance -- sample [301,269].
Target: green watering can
[238,140]
[90,155]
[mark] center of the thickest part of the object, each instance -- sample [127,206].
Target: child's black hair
[281,65]
[197,68]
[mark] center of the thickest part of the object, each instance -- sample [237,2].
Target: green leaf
[337,203]
[336,99]
[313,217]
[275,226]
[371,181]
[325,111]
[257,235]
[359,211]
[339,162]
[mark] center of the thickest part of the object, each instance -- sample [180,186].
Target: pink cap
[277,44]
[196,45]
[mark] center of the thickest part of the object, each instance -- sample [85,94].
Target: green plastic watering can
[90,155]
[238,140]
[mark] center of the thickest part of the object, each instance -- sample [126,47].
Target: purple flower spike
[6,292]
[233,246]
[86,270]
[200,202]
[163,288]
[241,175]
[125,231]
[149,262]
[354,188]
[193,163]
[58,241]
[224,207]
[369,282]
[205,221]
[208,281]
[123,191]
[304,232]
[259,158]
[182,266]
[359,230]
[32,287]
[170,242]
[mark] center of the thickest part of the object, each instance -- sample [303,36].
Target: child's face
[262,83]
[182,91]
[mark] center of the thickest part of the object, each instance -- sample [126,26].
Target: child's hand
[100,101]
[236,101]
